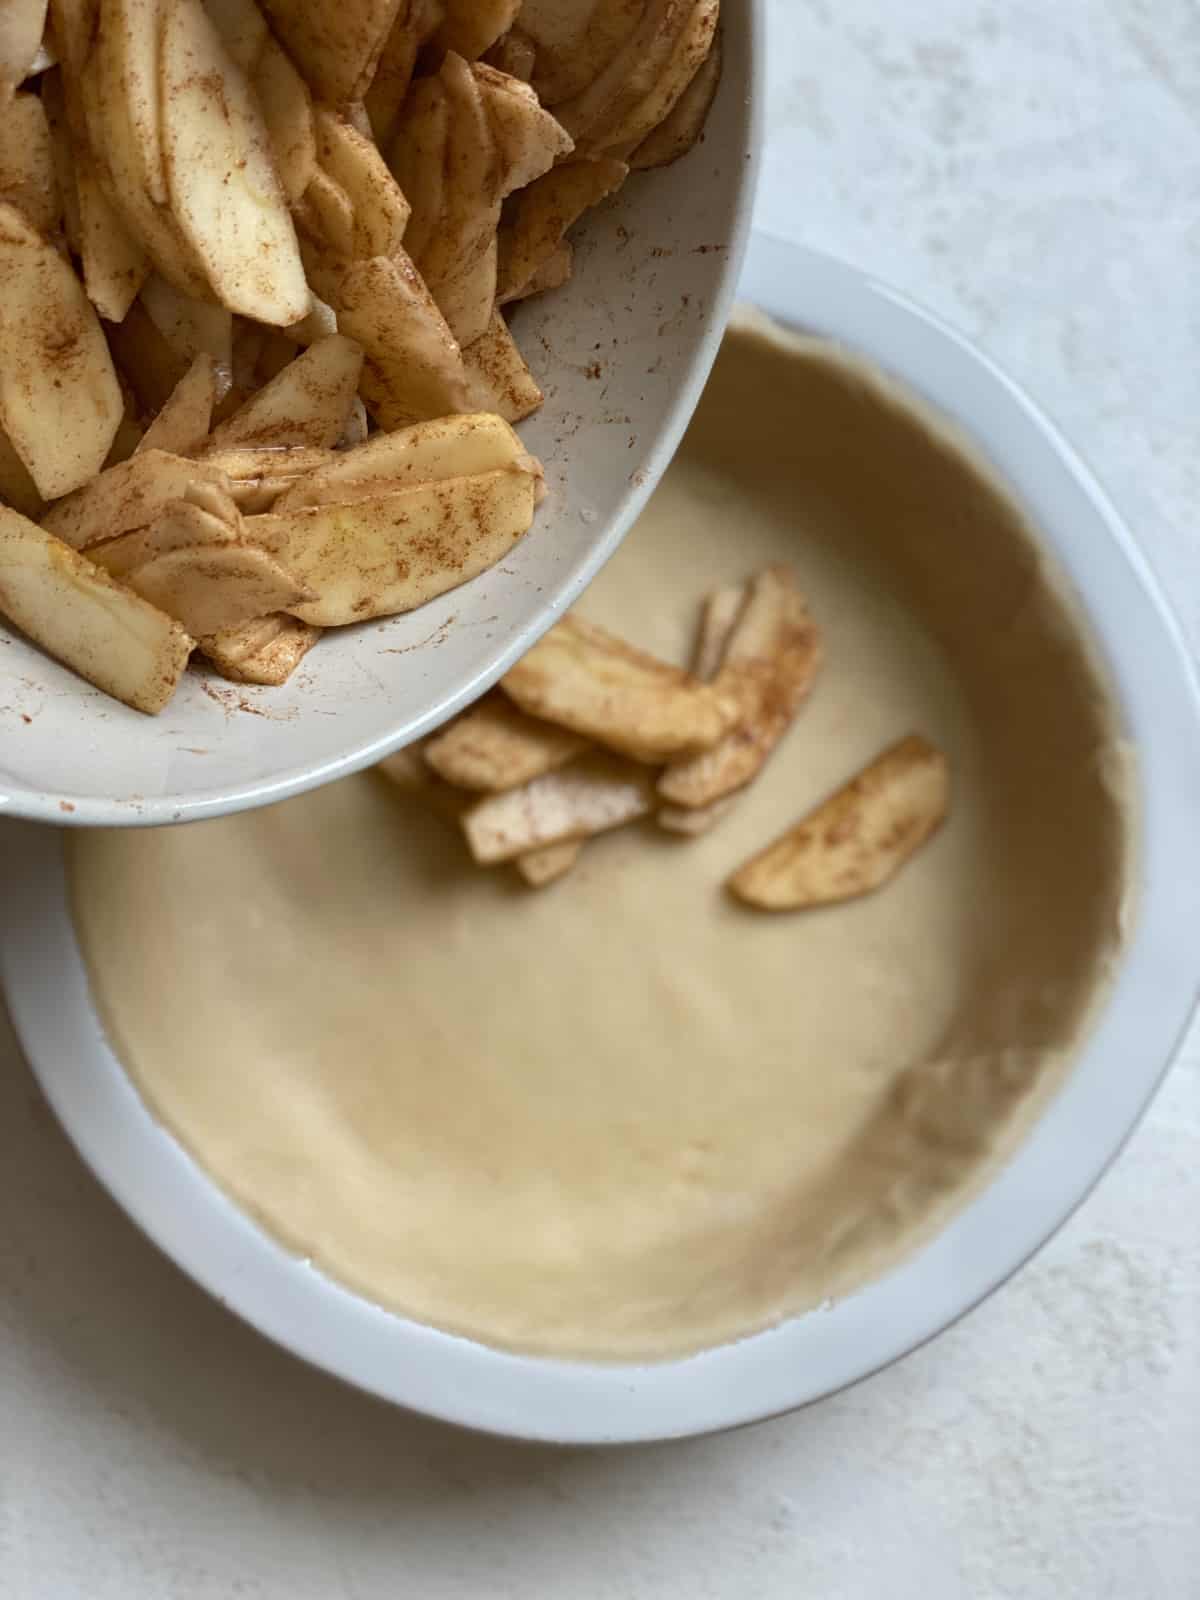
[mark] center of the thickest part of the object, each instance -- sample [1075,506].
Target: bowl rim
[73,810]
[1077,1136]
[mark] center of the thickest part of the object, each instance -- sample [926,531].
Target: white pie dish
[622,352]
[801,1360]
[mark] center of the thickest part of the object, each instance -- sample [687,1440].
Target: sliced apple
[586,679]
[447,447]
[54,105]
[267,650]
[473,26]
[243,28]
[126,496]
[501,376]
[307,404]
[592,795]
[181,427]
[75,612]
[554,271]
[549,864]
[17,488]
[287,110]
[682,127]
[542,214]
[22,24]
[335,46]
[60,402]
[529,138]
[418,157]
[574,41]
[379,557]
[257,478]
[27,177]
[690,51]
[326,213]
[414,367]
[770,660]
[416,23]
[595,115]
[191,568]
[224,191]
[191,327]
[514,54]
[493,746]
[858,839]
[379,209]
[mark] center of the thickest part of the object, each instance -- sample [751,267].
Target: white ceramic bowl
[622,353]
[810,1356]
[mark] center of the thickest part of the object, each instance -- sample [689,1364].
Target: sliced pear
[28,180]
[530,139]
[307,404]
[447,447]
[682,127]
[126,496]
[224,191]
[379,557]
[592,795]
[22,24]
[547,865]
[194,570]
[414,367]
[586,679]
[85,619]
[501,376]
[60,402]
[17,488]
[858,839]
[267,650]
[335,46]
[379,209]
[181,427]
[493,746]
[544,211]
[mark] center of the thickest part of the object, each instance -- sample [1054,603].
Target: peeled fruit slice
[379,557]
[770,660]
[551,862]
[575,40]
[17,488]
[529,139]
[586,679]
[542,214]
[336,46]
[267,650]
[414,367]
[82,617]
[257,478]
[473,26]
[287,110]
[181,427]
[494,746]
[858,839]
[203,577]
[592,795]
[191,327]
[682,127]
[594,116]
[60,402]
[379,211]
[27,177]
[501,376]
[22,24]
[448,447]
[691,49]
[416,23]
[221,178]
[127,496]
[307,404]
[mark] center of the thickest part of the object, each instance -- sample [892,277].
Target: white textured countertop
[1033,173]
